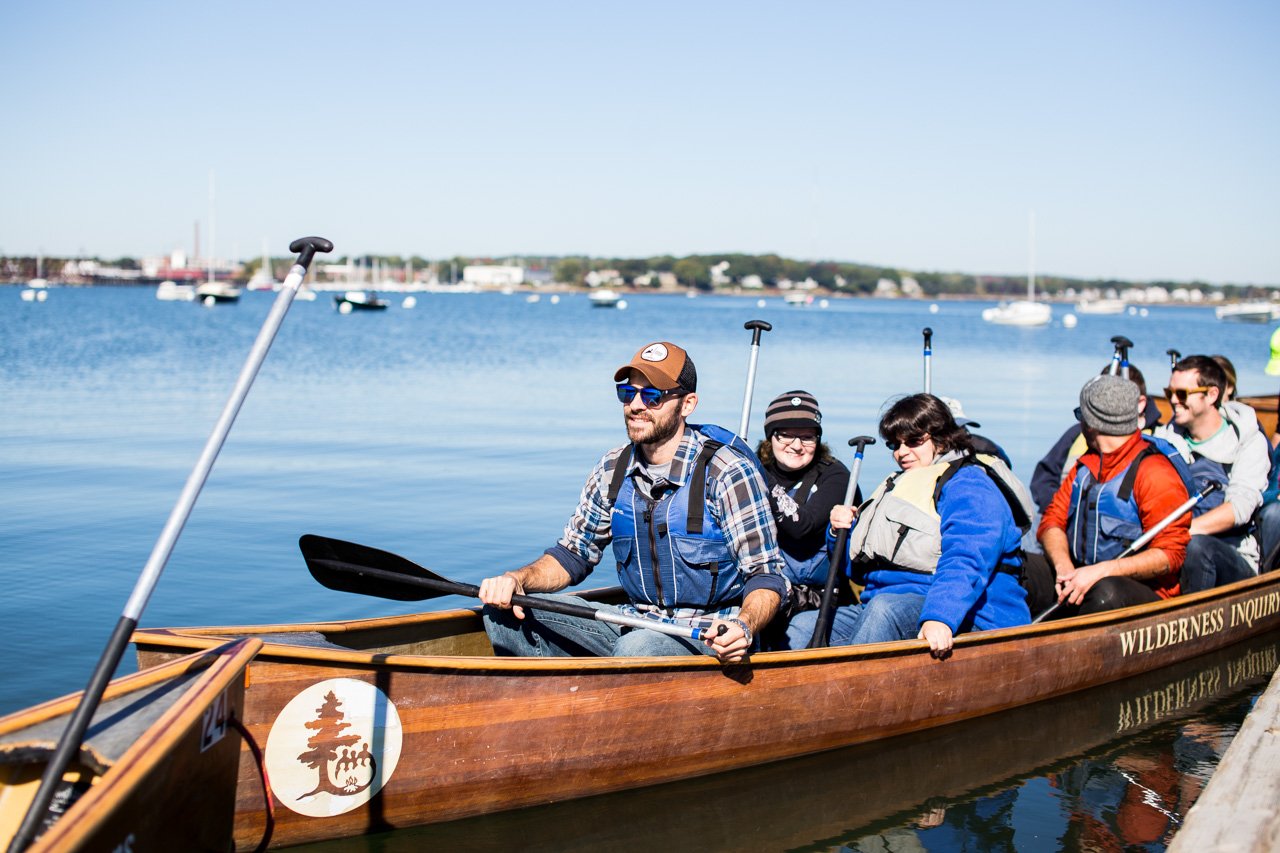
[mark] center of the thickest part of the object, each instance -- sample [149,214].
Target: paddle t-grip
[1174,357]
[307,247]
[928,336]
[757,327]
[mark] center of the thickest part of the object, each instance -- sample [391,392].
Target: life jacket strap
[698,486]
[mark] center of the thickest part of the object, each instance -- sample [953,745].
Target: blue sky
[1144,135]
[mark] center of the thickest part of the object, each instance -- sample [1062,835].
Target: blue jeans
[886,617]
[554,635]
[1212,562]
[1269,533]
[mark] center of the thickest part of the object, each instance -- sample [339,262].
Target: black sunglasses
[651,397]
[910,441]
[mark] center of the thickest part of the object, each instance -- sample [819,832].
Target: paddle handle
[1141,542]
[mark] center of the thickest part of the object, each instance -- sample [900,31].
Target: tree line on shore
[696,271]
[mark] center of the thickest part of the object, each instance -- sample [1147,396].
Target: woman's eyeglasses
[788,437]
[651,397]
[910,441]
[1179,395]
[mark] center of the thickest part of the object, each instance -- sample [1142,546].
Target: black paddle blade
[341,565]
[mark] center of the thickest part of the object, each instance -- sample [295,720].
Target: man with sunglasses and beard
[686,511]
[1222,443]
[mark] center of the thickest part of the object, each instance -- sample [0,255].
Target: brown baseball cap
[664,366]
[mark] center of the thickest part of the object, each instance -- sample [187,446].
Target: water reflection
[1112,768]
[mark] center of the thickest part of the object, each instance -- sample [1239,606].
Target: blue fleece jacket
[978,534]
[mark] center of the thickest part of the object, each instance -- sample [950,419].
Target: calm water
[458,434]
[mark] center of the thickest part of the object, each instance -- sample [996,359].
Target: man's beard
[655,431]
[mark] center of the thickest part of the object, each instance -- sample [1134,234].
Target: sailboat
[1023,312]
[213,291]
[262,278]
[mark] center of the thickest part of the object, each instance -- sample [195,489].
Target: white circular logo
[333,747]
[654,352]
[795,401]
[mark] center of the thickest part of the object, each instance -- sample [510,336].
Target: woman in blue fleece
[937,545]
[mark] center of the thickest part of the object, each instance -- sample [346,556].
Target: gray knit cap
[1109,404]
[794,409]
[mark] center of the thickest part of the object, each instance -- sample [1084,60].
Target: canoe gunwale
[208,637]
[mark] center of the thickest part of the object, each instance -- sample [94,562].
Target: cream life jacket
[899,525]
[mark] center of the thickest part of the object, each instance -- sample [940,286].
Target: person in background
[686,512]
[1269,517]
[1122,485]
[1052,470]
[981,444]
[1222,443]
[956,568]
[805,481]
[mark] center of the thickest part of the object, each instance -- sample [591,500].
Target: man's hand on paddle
[497,592]
[732,646]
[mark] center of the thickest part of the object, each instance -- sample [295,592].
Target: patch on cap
[654,352]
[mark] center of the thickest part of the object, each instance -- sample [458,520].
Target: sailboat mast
[211,225]
[1031,258]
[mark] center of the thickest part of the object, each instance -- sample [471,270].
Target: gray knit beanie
[794,409]
[1109,404]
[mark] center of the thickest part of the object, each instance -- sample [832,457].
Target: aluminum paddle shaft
[826,610]
[928,359]
[69,744]
[757,328]
[1141,542]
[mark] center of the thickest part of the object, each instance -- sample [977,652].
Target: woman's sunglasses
[911,441]
[1179,395]
[651,397]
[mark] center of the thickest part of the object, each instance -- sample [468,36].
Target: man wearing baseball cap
[685,510]
[1122,485]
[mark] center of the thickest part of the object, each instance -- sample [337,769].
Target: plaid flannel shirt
[736,497]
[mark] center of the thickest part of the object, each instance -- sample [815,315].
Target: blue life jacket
[1103,518]
[671,553]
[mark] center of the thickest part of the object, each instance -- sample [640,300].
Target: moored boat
[358,300]
[217,291]
[604,298]
[171,291]
[157,768]
[488,734]
[1248,312]
[1101,306]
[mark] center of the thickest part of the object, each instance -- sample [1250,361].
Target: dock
[1239,809]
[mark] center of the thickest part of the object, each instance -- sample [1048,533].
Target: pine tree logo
[339,774]
[333,747]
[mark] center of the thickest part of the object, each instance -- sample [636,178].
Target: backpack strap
[698,486]
[1020,517]
[619,474]
[1131,476]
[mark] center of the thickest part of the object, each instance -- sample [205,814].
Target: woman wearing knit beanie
[805,481]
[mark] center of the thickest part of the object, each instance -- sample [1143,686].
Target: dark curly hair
[911,419]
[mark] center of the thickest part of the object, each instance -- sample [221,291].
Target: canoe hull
[482,734]
[172,788]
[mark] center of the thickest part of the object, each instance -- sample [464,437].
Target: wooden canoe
[426,726]
[1265,406]
[826,801]
[157,769]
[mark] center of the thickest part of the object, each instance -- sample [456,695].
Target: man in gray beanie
[1122,485]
